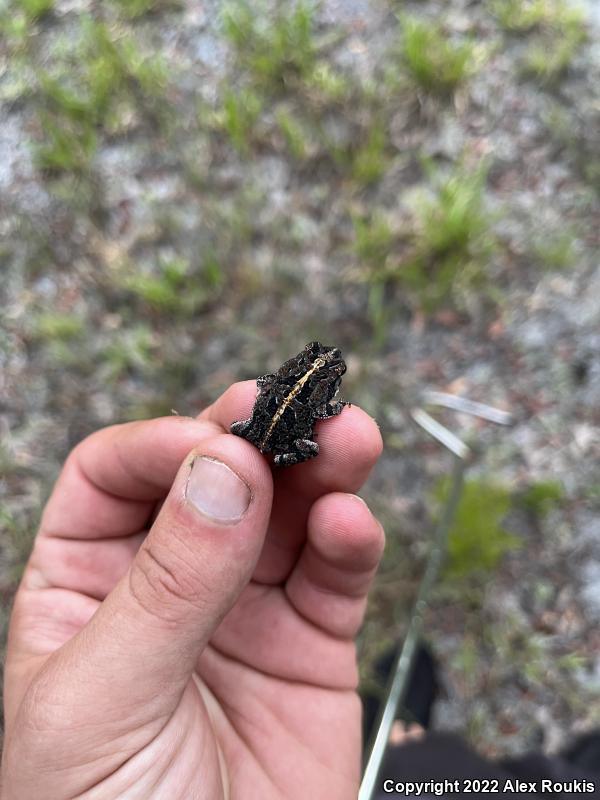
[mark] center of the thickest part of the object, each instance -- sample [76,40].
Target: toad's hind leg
[303,450]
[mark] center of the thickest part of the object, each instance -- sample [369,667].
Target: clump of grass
[541,497]
[373,239]
[239,115]
[558,29]
[67,146]
[130,350]
[280,52]
[17,19]
[175,287]
[438,257]
[374,242]
[277,49]
[451,238]
[555,252]
[62,335]
[53,326]
[360,151]
[295,136]
[34,9]
[161,293]
[435,63]
[87,96]
[369,161]
[551,55]
[14,29]
[327,84]
[453,218]
[107,67]
[477,541]
[520,16]
[523,16]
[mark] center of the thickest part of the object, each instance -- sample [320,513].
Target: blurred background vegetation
[190,191]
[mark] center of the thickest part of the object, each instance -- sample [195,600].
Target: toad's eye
[334,359]
[334,356]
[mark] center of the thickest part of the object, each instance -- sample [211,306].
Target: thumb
[142,644]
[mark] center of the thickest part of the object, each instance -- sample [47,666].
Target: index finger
[349,444]
[112,480]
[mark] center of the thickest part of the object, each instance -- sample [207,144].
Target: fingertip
[367,437]
[235,403]
[349,446]
[376,438]
[330,582]
[345,531]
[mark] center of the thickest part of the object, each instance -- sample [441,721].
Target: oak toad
[289,402]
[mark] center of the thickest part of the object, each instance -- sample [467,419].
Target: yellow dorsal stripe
[296,389]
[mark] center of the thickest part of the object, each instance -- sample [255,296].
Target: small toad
[289,402]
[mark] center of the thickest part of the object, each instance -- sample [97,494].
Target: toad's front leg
[241,427]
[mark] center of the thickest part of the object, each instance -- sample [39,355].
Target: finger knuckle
[42,710]
[164,584]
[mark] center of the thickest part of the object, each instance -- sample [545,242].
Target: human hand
[184,627]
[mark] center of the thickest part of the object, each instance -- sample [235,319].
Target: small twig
[441,433]
[466,406]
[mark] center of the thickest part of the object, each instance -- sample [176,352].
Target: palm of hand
[269,707]
[269,735]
